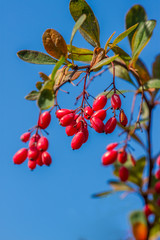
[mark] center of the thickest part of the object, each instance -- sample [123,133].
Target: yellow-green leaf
[80,54]
[108,41]
[90,27]
[32,96]
[122,54]
[77,25]
[104,62]
[54,43]
[124,34]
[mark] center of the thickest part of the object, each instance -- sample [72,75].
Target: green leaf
[102,194]
[137,216]
[145,111]
[135,15]
[155,230]
[32,96]
[77,25]
[80,54]
[36,57]
[141,37]
[104,62]
[120,186]
[57,66]
[90,28]
[122,54]
[156,67]
[153,83]
[124,34]
[142,71]
[121,72]
[45,99]
[108,41]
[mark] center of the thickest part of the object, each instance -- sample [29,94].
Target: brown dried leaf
[43,76]
[54,43]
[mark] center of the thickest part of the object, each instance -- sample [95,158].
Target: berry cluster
[37,150]
[76,123]
[112,155]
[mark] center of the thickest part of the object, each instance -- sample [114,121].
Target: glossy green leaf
[153,83]
[124,34]
[80,54]
[90,28]
[156,67]
[36,57]
[122,54]
[104,62]
[135,15]
[102,194]
[77,25]
[45,99]
[141,37]
[137,216]
[108,41]
[32,96]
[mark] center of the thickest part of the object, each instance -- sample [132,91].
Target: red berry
[115,101]
[32,164]
[67,119]
[111,146]
[88,111]
[122,156]
[158,160]
[39,159]
[77,140]
[99,103]
[110,125]
[20,156]
[33,141]
[109,157]
[33,153]
[157,175]
[80,123]
[62,112]
[71,129]
[101,114]
[97,124]
[123,174]
[44,120]
[157,187]
[86,134]
[147,210]
[25,137]
[46,158]
[42,144]
[122,118]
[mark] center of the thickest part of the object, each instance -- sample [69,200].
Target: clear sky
[55,202]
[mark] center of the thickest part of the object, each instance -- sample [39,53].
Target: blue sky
[55,202]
